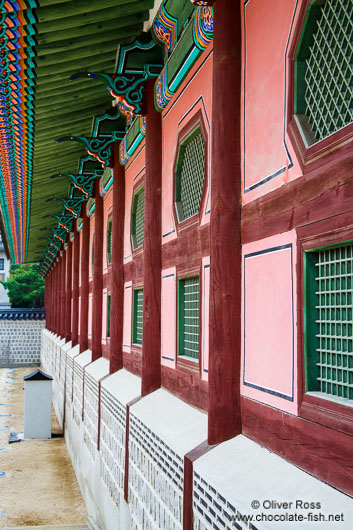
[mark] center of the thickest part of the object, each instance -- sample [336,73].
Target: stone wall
[20,340]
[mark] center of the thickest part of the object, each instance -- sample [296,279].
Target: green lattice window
[109,241]
[324,69]
[138,218]
[328,305]
[108,315]
[190,175]
[137,317]
[188,317]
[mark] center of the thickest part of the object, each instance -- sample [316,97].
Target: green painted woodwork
[188,317]
[109,240]
[138,218]
[137,317]
[108,315]
[190,175]
[328,324]
[323,67]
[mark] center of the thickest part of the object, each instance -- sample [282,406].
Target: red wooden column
[49,315]
[62,291]
[57,297]
[58,308]
[117,285]
[75,285]
[53,301]
[83,340]
[68,291]
[225,270]
[97,299]
[151,342]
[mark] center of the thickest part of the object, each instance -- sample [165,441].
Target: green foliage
[25,286]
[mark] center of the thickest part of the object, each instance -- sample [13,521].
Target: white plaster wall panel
[162,430]
[90,436]
[127,317]
[234,473]
[79,363]
[93,373]
[168,317]
[71,354]
[112,445]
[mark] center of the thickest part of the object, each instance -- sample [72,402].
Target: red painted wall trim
[133,362]
[318,195]
[126,474]
[191,244]
[187,386]
[189,460]
[321,451]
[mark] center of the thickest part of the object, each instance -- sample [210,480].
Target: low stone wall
[20,336]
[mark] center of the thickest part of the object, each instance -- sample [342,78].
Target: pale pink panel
[168,324]
[269,322]
[107,204]
[104,317]
[194,96]
[91,238]
[79,314]
[266,33]
[205,315]
[127,317]
[90,299]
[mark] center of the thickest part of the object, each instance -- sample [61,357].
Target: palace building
[181,170]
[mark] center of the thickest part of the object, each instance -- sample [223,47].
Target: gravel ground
[37,482]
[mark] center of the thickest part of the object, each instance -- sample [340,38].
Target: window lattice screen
[139,213]
[189,317]
[329,72]
[335,334]
[192,176]
[138,316]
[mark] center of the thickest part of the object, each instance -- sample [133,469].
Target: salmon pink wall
[268,157]
[107,208]
[269,349]
[127,317]
[168,317]
[193,97]
[134,171]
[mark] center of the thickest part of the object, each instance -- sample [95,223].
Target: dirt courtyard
[37,482]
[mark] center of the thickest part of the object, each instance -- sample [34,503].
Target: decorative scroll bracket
[83,182]
[74,205]
[99,147]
